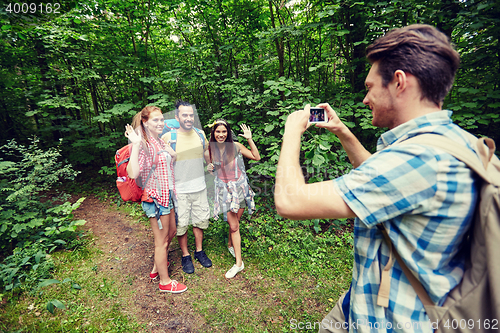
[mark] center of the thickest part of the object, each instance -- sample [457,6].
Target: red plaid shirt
[159,182]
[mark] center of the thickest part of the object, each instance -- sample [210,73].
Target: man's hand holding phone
[333,123]
[323,116]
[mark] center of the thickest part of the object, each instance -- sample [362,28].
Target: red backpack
[127,187]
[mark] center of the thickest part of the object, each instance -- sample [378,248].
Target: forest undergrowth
[295,271]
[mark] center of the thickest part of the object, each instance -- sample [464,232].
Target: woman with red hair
[151,165]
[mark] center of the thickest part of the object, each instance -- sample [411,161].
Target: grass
[288,276]
[292,275]
[94,308]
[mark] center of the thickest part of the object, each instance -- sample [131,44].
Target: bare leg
[198,238]
[171,236]
[183,243]
[234,230]
[162,239]
[229,241]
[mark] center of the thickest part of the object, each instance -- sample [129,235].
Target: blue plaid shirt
[425,198]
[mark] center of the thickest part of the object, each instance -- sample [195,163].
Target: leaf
[269,128]
[325,146]
[341,32]
[483,6]
[55,303]
[318,160]
[76,286]
[19,227]
[361,42]
[316,225]
[25,260]
[79,222]
[58,304]
[48,282]
[38,256]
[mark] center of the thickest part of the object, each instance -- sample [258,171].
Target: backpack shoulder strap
[484,147]
[200,134]
[385,284]
[173,138]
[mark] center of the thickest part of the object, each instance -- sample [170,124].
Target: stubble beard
[384,115]
[183,125]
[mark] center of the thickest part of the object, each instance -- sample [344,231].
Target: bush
[29,228]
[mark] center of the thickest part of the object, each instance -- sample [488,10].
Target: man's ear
[400,81]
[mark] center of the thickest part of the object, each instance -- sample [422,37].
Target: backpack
[474,304]
[128,188]
[171,125]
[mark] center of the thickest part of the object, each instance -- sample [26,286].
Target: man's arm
[294,198]
[206,153]
[355,151]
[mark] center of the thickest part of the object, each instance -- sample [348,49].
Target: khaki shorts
[192,207]
[334,322]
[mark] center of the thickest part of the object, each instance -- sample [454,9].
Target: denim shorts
[154,209]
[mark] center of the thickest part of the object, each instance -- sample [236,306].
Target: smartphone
[317,115]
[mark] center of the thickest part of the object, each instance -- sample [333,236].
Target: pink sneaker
[173,287]
[153,276]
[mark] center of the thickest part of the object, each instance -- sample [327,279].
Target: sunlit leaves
[118,110]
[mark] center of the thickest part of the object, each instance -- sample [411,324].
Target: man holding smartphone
[422,196]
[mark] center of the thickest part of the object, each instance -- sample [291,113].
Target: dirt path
[127,248]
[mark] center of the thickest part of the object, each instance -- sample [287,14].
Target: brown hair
[180,102]
[422,51]
[141,117]
[231,150]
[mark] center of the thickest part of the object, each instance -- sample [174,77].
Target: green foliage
[72,309]
[25,267]
[82,75]
[35,170]
[30,229]
[303,242]
[54,303]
